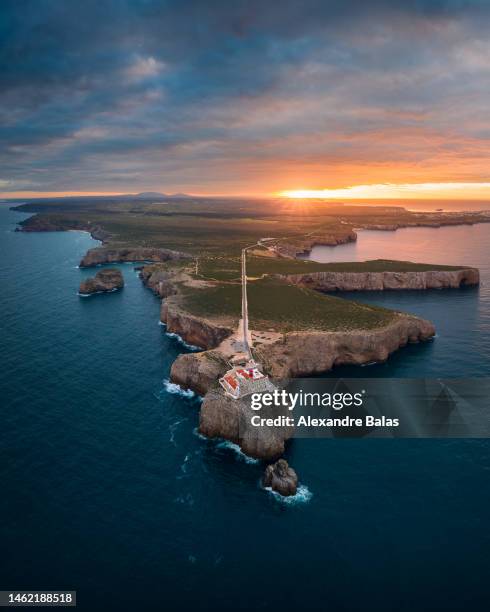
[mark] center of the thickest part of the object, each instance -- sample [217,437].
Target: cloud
[143,68]
[242,97]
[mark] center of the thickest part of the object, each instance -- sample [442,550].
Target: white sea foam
[183,467]
[195,431]
[237,450]
[97,292]
[303,496]
[186,500]
[171,387]
[190,347]
[173,428]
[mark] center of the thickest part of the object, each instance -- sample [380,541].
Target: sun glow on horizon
[394,190]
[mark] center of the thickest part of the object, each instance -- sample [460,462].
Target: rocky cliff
[308,353]
[380,281]
[159,280]
[199,371]
[291,355]
[50,223]
[293,248]
[103,255]
[194,330]
[103,282]
[303,354]
[224,417]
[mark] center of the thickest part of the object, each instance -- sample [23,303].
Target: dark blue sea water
[462,318]
[106,489]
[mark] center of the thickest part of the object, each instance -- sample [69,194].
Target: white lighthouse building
[244,380]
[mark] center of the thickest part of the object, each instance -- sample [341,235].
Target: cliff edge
[103,282]
[384,281]
[104,255]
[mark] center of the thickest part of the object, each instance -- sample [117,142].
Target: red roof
[245,373]
[231,381]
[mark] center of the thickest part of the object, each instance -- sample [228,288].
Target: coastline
[198,371]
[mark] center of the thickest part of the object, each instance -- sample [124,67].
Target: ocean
[107,489]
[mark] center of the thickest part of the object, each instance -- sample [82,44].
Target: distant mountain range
[145,195]
[150,195]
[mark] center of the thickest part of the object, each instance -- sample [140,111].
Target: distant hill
[155,195]
[145,195]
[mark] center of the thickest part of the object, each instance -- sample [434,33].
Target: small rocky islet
[281,478]
[105,281]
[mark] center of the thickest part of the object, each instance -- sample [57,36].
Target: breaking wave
[195,431]
[183,467]
[171,387]
[237,450]
[173,428]
[190,347]
[186,500]
[303,496]
[97,292]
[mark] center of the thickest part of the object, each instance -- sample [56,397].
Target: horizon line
[475,191]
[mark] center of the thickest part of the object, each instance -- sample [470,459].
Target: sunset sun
[393,190]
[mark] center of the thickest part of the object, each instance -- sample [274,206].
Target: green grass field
[228,268]
[286,308]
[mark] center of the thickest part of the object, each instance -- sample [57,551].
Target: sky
[361,98]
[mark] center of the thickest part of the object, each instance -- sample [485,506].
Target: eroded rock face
[198,371]
[48,223]
[292,355]
[380,281]
[281,478]
[194,330]
[307,353]
[159,280]
[224,417]
[294,248]
[103,282]
[103,255]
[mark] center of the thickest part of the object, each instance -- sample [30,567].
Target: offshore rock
[380,281]
[281,478]
[103,255]
[103,282]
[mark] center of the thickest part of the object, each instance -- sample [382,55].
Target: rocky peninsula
[297,330]
[303,246]
[103,255]
[287,355]
[104,281]
[50,223]
[384,281]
